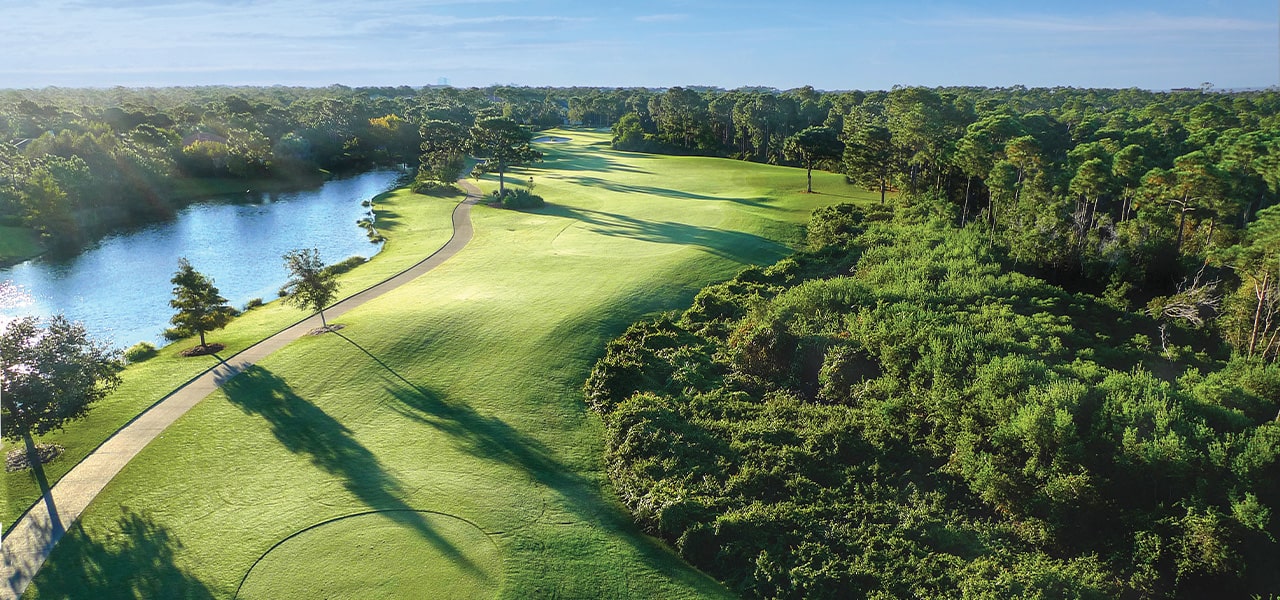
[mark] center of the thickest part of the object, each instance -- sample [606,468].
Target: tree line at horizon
[77,163]
[1109,185]
[1162,200]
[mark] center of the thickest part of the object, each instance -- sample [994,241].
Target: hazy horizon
[829,45]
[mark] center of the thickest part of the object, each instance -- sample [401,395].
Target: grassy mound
[459,392]
[347,558]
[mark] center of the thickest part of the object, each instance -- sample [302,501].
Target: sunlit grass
[17,243]
[417,224]
[458,394]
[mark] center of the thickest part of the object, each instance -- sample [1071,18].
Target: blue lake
[119,287]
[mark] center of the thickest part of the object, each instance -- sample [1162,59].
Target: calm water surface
[120,286]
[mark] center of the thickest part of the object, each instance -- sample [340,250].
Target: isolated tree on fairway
[200,307]
[310,285]
[504,142]
[50,375]
[811,146]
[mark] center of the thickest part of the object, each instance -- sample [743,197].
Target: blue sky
[830,45]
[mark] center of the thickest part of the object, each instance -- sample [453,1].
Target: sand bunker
[551,139]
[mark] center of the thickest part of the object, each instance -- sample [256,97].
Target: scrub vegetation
[897,412]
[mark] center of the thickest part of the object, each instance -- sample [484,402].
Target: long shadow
[387,220]
[560,160]
[136,560]
[46,491]
[615,186]
[490,438]
[487,438]
[303,428]
[720,242]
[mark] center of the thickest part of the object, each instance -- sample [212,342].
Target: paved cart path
[29,541]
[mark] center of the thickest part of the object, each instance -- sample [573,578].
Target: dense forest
[898,412]
[1042,366]
[1125,191]
[75,163]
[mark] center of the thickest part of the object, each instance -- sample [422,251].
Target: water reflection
[120,287]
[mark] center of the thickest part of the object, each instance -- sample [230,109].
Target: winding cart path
[30,540]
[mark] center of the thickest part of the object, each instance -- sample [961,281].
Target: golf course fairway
[439,442]
[418,226]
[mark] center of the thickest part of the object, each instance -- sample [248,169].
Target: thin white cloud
[1116,24]
[662,18]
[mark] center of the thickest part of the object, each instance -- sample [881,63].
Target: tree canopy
[504,143]
[51,374]
[310,286]
[443,145]
[811,146]
[201,308]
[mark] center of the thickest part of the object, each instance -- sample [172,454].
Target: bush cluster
[343,266]
[432,187]
[139,352]
[520,199]
[900,415]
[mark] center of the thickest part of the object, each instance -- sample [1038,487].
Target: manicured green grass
[418,224]
[456,394]
[17,244]
[369,542]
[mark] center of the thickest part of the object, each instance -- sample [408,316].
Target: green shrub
[913,419]
[834,225]
[253,303]
[139,352]
[432,187]
[519,199]
[339,268]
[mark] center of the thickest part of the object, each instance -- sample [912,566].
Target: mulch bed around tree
[202,350]
[16,459]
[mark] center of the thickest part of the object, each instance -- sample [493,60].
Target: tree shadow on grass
[491,439]
[558,160]
[134,560]
[723,243]
[387,220]
[627,188]
[483,436]
[303,428]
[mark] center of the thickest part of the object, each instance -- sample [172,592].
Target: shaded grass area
[459,392]
[417,224]
[17,244]
[137,561]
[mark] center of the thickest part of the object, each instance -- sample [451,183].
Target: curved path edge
[31,538]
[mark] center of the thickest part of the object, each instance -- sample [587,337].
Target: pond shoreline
[185,192]
[118,285]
